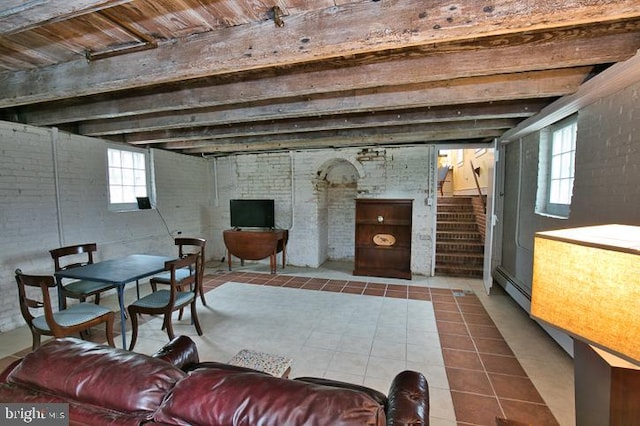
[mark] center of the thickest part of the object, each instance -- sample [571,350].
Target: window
[128,177]
[557,168]
[460,157]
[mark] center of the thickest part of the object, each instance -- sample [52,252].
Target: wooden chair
[71,257]
[166,302]
[75,319]
[186,246]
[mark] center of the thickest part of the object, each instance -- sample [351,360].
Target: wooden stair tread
[459,244]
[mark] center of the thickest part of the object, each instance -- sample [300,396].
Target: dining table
[119,272]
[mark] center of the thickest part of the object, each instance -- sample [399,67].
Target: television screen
[252,213]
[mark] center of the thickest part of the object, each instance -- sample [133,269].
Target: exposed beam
[424,128]
[21,15]
[612,80]
[548,50]
[538,84]
[271,144]
[330,33]
[383,119]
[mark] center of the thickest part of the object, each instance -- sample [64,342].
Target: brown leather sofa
[109,386]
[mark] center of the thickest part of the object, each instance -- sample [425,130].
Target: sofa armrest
[8,370]
[181,352]
[408,400]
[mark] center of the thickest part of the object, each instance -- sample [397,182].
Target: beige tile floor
[357,338]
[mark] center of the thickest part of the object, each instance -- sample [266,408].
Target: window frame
[132,205]
[548,175]
[460,157]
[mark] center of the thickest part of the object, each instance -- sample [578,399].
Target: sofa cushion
[80,413]
[377,396]
[99,375]
[217,397]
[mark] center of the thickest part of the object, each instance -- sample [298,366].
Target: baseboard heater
[518,292]
[514,287]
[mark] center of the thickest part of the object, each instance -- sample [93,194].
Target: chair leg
[154,287]
[165,318]
[181,309]
[109,327]
[35,337]
[169,326]
[194,316]
[134,328]
[96,299]
[204,301]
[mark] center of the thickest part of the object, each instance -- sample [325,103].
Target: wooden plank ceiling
[219,77]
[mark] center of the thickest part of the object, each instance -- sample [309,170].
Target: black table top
[118,271]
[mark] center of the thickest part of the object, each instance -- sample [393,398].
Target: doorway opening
[461,213]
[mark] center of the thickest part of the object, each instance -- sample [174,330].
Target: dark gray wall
[607,180]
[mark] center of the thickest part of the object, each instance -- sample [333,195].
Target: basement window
[556,168]
[128,177]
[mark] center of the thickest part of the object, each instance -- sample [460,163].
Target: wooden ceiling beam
[22,15]
[498,123]
[225,147]
[334,32]
[537,84]
[312,124]
[557,49]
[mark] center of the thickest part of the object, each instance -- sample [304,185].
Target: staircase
[459,245]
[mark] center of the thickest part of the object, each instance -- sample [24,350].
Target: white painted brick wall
[29,218]
[27,210]
[193,197]
[322,223]
[341,217]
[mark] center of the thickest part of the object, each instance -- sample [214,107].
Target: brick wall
[606,189]
[480,214]
[33,220]
[607,179]
[314,194]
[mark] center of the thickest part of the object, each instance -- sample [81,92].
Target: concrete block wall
[35,218]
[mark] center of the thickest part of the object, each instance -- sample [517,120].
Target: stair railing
[476,171]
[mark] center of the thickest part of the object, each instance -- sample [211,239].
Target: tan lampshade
[586,281]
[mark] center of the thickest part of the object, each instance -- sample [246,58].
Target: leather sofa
[109,386]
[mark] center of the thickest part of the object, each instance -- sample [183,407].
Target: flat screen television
[252,213]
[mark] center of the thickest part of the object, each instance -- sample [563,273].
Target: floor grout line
[421,293]
[455,294]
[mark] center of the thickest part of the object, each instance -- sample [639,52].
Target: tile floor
[482,355]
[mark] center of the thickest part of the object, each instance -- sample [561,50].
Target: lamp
[586,282]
